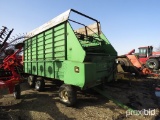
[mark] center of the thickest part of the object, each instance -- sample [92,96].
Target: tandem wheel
[31,81]
[39,84]
[68,94]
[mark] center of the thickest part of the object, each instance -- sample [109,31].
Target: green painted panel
[60,43]
[40,52]
[34,46]
[59,54]
[59,32]
[49,41]
[48,32]
[40,39]
[60,48]
[48,56]
[72,77]
[107,46]
[59,70]
[40,56]
[58,38]
[59,27]
[34,57]
[34,50]
[40,35]
[48,46]
[49,69]
[41,68]
[48,36]
[26,67]
[33,42]
[75,51]
[34,68]
[40,49]
[29,68]
[39,43]
[50,50]
[26,44]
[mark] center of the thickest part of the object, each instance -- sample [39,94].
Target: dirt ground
[91,105]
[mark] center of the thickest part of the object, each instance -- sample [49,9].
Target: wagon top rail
[60,19]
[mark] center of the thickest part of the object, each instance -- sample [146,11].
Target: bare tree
[158,48]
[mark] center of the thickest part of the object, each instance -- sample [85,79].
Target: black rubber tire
[17,91]
[39,84]
[31,81]
[125,64]
[149,63]
[68,95]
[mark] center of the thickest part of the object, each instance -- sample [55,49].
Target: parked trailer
[80,58]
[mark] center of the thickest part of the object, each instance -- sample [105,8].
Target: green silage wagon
[68,50]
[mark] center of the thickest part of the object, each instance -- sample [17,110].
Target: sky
[128,24]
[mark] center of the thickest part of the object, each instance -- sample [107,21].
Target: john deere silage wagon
[68,50]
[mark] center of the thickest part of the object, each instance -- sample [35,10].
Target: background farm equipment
[147,57]
[133,64]
[12,81]
[130,63]
[11,62]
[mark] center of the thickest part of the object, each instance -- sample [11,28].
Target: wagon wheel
[39,84]
[68,95]
[31,81]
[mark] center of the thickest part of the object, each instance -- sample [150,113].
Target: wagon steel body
[83,57]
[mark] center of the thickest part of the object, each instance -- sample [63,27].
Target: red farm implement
[11,63]
[138,64]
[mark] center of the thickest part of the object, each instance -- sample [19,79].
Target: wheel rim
[151,64]
[64,95]
[37,84]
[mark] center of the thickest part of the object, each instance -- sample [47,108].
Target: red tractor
[148,58]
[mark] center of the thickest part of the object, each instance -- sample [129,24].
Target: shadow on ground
[138,95]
